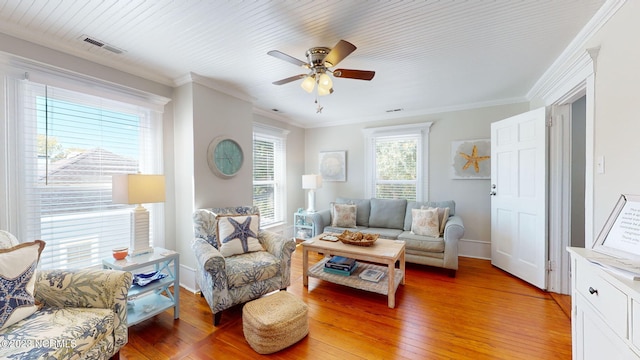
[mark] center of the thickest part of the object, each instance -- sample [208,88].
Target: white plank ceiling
[428,56]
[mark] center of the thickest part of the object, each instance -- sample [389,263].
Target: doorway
[567,186]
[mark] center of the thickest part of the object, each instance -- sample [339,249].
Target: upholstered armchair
[254,270]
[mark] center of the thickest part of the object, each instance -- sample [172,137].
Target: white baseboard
[474,249]
[188,279]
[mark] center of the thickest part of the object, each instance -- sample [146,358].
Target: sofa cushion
[363,209]
[250,268]
[387,213]
[343,215]
[383,232]
[57,333]
[17,281]
[417,205]
[421,242]
[340,230]
[238,234]
[425,222]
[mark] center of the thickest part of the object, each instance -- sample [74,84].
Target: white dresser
[605,319]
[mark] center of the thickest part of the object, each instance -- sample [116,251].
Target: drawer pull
[592,291]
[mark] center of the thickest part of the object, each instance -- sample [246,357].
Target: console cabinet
[605,319]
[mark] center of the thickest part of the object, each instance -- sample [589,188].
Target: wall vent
[101,44]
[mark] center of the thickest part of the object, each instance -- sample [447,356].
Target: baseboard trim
[188,279]
[478,249]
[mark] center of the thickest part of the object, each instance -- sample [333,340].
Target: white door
[519,196]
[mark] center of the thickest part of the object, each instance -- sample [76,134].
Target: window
[269,151]
[396,162]
[68,145]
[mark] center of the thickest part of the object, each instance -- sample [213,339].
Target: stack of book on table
[372,275]
[340,265]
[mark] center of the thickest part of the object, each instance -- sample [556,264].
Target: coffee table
[383,251]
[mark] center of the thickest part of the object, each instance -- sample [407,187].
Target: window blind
[269,177]
[71,143]
[396,172]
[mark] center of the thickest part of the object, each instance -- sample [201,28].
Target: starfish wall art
[471,159]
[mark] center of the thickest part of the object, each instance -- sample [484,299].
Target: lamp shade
[137,189]
[311,181]
[308,83]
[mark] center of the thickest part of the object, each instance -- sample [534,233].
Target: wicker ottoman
[274,322]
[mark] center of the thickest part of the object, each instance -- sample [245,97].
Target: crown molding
[573,59]
[212,84]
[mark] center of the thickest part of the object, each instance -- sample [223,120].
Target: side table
[303,226]
[147,301]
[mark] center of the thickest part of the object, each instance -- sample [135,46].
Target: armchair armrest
[208,257]
[89,288]
[282,248]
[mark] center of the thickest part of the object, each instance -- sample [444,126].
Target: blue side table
[147,301]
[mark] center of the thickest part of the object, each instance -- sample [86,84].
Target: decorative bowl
[358,238]
[120,253]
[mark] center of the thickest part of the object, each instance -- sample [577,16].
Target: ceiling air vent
[101,44]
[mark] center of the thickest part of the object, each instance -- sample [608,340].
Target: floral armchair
[226,281]
[84,316]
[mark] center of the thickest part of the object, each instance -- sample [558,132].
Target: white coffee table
[383,251]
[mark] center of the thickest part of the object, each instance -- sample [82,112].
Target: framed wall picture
[471,159]
[333,165]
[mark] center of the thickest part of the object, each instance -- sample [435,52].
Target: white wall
[617,114]
[471,196]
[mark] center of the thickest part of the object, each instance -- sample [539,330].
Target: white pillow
[238,234]
[443,216]
[7,240]
[17,274]
[425,222]
[344,215]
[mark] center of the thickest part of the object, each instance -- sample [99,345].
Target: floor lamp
[311,183]
[138,189]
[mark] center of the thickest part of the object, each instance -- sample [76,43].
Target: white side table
[147,301]
[303,226]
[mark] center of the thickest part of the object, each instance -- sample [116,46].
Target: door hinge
[549,122]
[550,265]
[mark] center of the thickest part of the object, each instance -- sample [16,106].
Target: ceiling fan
[319,62]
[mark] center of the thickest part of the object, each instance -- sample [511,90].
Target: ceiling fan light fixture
[308,83]
[325,81]
[322,91]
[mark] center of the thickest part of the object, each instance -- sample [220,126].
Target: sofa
[58,314]
[393,219]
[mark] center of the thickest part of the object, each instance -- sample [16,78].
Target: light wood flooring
[482,313]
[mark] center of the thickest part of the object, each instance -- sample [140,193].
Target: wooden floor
[483,313]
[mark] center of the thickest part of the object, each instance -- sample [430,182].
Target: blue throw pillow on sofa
[387,213]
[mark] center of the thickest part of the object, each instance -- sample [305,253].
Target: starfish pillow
[17,281]
[238,234]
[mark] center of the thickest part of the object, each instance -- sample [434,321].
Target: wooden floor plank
[482,313]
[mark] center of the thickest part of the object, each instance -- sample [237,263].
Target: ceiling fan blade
[289,79]
[282,56]
[354,74]
[339,52]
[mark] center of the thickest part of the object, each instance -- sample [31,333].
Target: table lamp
[138,189]
[311,182]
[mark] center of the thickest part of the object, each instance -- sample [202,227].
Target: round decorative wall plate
[225,157]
